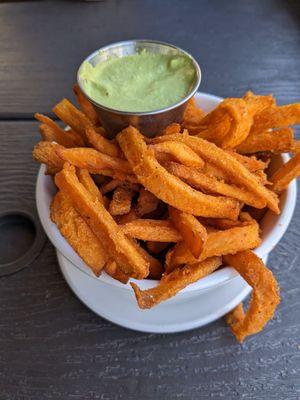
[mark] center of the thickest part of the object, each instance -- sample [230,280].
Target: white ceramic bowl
[273,227]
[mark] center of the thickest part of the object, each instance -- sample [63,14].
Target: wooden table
[52,346]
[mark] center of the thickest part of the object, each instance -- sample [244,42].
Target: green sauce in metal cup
[140,82]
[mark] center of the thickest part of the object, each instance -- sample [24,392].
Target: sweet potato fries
[171,208]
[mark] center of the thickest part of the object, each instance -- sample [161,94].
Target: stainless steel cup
[149,123]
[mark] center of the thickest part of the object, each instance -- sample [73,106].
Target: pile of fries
[176,207]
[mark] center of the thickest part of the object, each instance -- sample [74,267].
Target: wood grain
[53,347]
[239,44]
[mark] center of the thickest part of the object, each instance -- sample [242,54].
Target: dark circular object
[21,240]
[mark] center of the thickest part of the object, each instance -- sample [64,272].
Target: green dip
[140,82]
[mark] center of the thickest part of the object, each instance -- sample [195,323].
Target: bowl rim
[215,279]
[143,113]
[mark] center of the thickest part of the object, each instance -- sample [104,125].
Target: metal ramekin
[149,123]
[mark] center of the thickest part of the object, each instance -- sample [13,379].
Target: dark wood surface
[239,44]
[53,347]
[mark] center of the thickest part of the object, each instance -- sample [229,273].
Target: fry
[212,185]
[123,219]
[102,224]
[280,141]
[219,243]
[192,231]
[110,186]
[227,125]
[121,176]
[215,172]
[174,282]
[92,160]
[220,223]
[49,122]
[117,175]
[156,247]
[71,116]
[214,126]
[45,152]
[277,117]
[114,183]
[85,106]
[146,203]
[163,185]
[66,139]
[151,229]
[155,267]
[250,162]
[121,201]
[86,180]
[78,234]
[102,144]
[233,168]
[264,299]
[262,177]
[240,124]
[192,116]
[112,269]
[295,146]
[51,132]
[257,103]
[51,170]
[285,174]
[235,316]
[163,157]
[180,152]
[223,223]
[172,128]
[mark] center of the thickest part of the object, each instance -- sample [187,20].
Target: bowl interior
[273,226]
